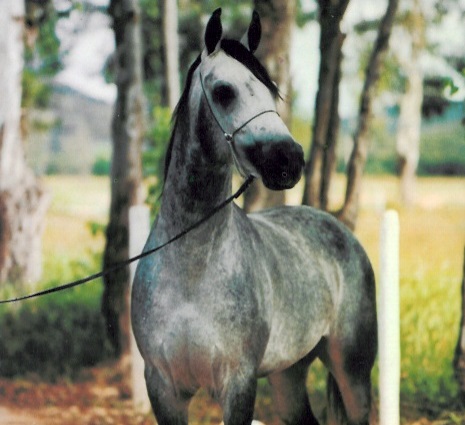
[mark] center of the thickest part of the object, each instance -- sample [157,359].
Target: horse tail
[336,412]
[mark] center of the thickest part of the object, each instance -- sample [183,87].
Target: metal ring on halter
[230,136]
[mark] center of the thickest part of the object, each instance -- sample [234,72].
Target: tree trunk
[459,356]
[408,129]
[322,157]
[408,135]
[171,49]
[277,19]
[349,211]
[23,201]
[126,171]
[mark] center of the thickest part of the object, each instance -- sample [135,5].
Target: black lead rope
[125,263]
[230,139]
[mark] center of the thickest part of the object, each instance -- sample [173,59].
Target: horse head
[240,99]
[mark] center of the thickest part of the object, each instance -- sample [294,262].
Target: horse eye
[223,94]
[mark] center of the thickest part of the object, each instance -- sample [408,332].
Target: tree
[349,212]
[321,162]
[277,19]
[126,170]
[409,124]
[171,48]
[23,201]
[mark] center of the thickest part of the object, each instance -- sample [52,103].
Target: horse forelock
[237,51]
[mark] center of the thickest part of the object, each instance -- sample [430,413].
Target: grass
[432,239]
[432,242]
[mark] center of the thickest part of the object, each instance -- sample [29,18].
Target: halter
[230,136]
[112,268]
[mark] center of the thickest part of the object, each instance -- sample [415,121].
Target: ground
[101,396]
[431,272]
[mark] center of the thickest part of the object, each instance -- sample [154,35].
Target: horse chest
[192,346]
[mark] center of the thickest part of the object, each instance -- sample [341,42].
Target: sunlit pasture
[432,247]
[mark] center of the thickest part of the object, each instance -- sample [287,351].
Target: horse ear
[213,31]
[251,38]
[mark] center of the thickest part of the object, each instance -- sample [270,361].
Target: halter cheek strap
[230,136]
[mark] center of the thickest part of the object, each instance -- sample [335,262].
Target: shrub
[51,340]
[55,335]
[101,166]
[154,154]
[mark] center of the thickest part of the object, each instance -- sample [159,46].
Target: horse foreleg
[238,399]
[290,395]
[169,408]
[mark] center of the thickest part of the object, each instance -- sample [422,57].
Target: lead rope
[111,269]
[125,263]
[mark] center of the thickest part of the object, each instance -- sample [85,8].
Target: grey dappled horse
[247,296]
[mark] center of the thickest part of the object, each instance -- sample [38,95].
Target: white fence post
[389,321]
[139,228]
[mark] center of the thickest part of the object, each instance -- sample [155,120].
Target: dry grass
[76,201]
[432,243]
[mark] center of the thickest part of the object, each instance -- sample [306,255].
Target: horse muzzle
[279,162]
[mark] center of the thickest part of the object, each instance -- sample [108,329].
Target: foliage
[61,333]
[441,144]
[35,92]
[152,36]
[154,154]
[52,340]
[45,53]
[306,13]
[442,150]
[101,166]
[55,335]
[41,62]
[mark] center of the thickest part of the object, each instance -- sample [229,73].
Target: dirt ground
[101,396]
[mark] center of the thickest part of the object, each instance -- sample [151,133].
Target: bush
[101,166]
[55,335]
[51,340]
[154,154]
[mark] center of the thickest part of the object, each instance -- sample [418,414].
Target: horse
[241,296]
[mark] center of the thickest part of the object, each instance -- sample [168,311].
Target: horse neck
[194,183]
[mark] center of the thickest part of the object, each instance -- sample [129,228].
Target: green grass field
[432,245]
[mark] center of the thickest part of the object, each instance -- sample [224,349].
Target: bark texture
[349,212]
[321,162]
[409,124]
[171,50]
[277,19]
[126,171]
[23,200]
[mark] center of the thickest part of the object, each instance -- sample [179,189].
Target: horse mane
[236,50]
[180,109]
